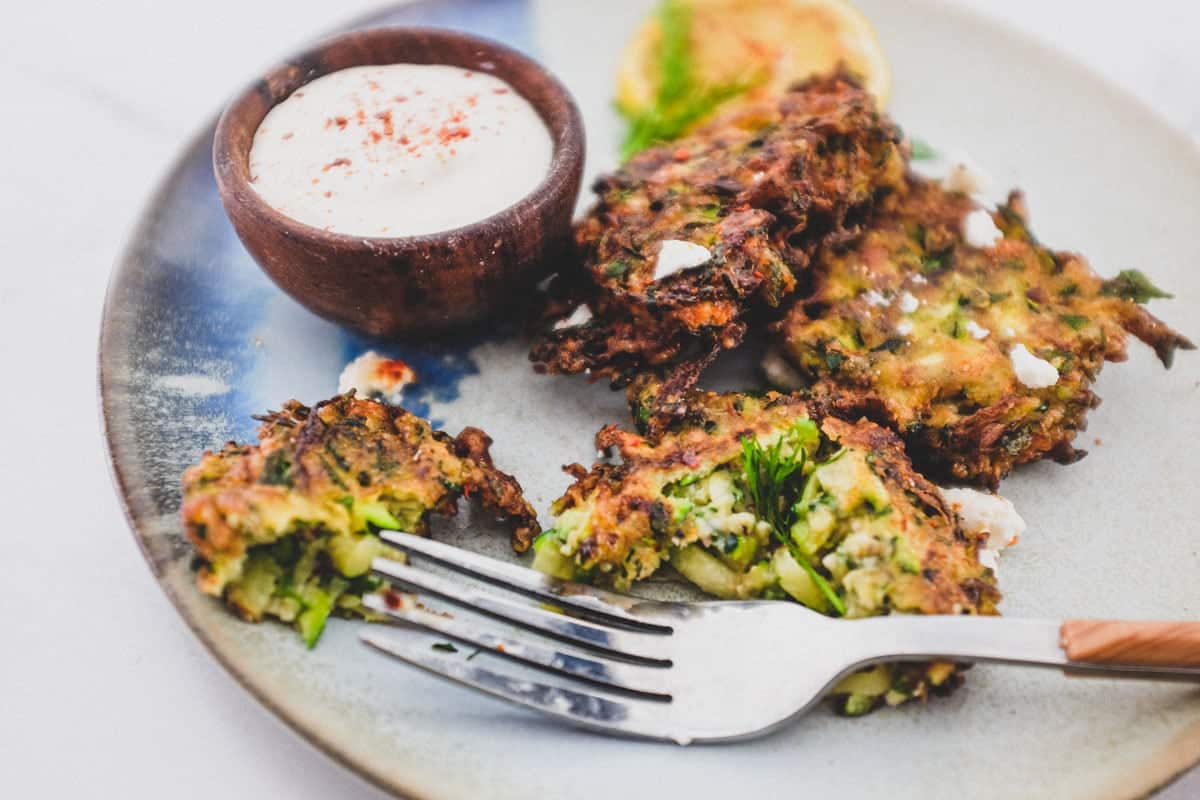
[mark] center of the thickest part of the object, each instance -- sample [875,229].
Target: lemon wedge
[772,42]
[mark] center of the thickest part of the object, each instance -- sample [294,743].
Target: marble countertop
[106,693]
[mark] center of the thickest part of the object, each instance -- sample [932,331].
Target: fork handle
[1156,644]
[1150,650]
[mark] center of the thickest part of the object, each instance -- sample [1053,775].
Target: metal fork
[720,671]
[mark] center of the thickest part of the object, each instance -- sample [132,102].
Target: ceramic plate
[195,340]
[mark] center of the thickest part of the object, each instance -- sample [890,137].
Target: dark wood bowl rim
[568,142]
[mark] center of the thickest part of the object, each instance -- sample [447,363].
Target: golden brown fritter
[759,189]
[856,532]
[980,357]
[287,527]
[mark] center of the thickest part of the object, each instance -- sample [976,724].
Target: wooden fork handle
[1150,644]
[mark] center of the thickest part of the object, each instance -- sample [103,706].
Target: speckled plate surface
[195,340]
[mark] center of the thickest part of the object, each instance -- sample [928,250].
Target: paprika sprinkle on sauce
[399,150]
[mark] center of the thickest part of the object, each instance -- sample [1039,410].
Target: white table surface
[103,690]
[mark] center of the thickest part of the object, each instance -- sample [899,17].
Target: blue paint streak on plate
[440,367]
[214,271]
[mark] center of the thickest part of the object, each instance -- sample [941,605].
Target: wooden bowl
[417,286]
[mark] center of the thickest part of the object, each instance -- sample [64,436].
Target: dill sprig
[773,479]
[681,100]
[1133,285]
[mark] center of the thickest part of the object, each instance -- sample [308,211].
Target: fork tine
[632,646]
[627,715]
[586,600]
[638,680]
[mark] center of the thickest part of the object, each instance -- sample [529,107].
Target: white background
[103,691]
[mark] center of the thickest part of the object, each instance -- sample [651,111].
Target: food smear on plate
[765,496]
[374,376]
[287,528]
[399,150]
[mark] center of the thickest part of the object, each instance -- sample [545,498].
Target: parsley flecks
[445,647]
[1132,284]
[1075,321]
[772,480]
[891,345]
[932,263]
[616,268]
[277,470]
[681,99]
[921,150]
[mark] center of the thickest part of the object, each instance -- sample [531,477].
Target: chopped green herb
[277,470]
[1132,284]
[771,479]
[1049,263]
[377,514]
[681,99]
[1075,321]
[616,269]
[891,345]
[445,647]
[932,263]
[332,472]
[921,149]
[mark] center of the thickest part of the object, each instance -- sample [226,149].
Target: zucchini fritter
[286,527]
[764,497]
[758,190]
[980,357]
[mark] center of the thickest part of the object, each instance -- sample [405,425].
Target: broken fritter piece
[287,528]
[954,327]
[765,497]
[687,238]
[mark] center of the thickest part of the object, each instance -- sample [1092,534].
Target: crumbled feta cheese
[908,303]
[976,330]
[1034,372]
[990,558]
[579,316]
[979,230]
[965,176]
[904,327]
[372,375]
[779,372]
[919,280]
[874,298]
[675,255]
[979,512]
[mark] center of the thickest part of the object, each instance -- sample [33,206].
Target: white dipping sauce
[399,150]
